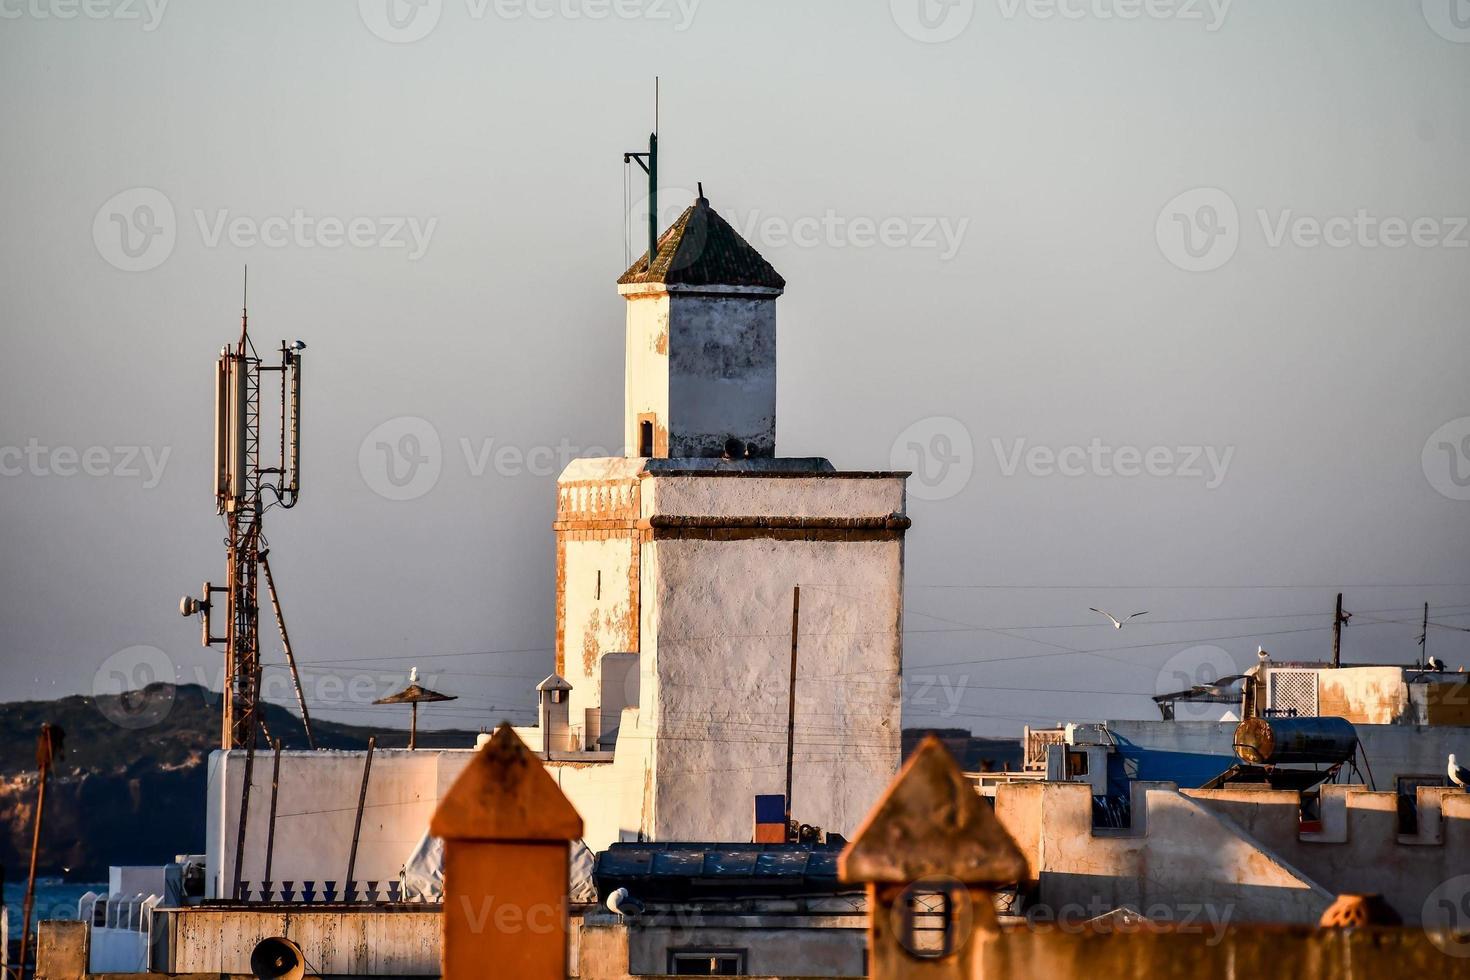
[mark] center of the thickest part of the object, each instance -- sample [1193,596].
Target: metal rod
[244,816]
[652,198]
[413,725]
[270,834]
[1424,639]
[43,765]
[270,584]
[367,768]
[791,699]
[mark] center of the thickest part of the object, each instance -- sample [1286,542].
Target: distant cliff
[130,788]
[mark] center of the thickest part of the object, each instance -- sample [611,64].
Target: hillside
[130,788]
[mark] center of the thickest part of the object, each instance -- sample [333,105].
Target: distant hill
[130,788]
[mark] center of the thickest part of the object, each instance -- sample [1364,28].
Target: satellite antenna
[243,491]
[649,162]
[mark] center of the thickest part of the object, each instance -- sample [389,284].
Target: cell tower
[243,491]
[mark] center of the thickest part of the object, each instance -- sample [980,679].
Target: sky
[1163,302]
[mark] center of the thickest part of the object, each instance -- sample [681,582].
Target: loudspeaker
[277,958]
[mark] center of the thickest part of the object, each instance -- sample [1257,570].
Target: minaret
[701,344]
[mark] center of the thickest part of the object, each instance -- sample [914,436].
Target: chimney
[554,697]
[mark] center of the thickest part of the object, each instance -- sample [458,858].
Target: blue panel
[770,809]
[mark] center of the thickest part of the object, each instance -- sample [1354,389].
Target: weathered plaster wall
[601,603]
[717,647]
[646,357]
[335,942]
[1359,849]
[721,373]
[1179,854]
[831,496]
[1363,695]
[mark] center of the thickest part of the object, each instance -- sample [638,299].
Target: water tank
[1273,741]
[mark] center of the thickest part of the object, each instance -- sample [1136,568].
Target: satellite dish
[277,958]
[188,606]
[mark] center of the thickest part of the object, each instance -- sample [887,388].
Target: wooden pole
[1337,634]
[367,768]
[43,766]
[270,834]
[791,701]
[413,725]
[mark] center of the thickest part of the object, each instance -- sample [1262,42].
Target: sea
[55,899]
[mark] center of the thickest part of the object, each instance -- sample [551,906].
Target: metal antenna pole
[244,815]
[1424,639]
[367,768]
[270,584]
[45,749]
[791,700]
[270,834]
[1337,621]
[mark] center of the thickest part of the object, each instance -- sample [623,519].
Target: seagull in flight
[1117,623]
[1459,775]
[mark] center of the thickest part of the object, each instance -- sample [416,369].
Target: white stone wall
[646,354]
[716,658]
[596,624]
[788,496]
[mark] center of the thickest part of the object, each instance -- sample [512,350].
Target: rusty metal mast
[241,486]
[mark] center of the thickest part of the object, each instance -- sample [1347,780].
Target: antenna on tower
[241,482]
[649,162]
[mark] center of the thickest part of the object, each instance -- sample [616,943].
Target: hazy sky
[1034,240]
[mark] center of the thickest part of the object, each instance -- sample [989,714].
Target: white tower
[701,344]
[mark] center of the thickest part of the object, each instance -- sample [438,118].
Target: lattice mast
[243,491]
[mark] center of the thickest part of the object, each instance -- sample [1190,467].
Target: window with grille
[1293,693]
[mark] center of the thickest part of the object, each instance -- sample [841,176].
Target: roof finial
[702,199]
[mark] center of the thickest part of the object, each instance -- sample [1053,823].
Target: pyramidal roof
[703,249]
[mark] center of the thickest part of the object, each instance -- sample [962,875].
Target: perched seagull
[1459,775]
[1435,663]
[624,904]
[1117,625]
